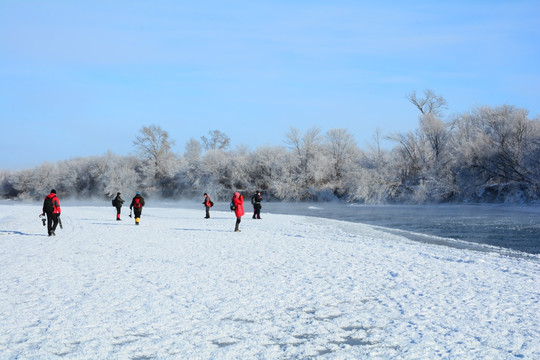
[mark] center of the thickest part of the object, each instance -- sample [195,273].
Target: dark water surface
[505,226]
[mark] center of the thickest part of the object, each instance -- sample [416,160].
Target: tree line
[488,154]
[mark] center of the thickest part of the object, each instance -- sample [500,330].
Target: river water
[470,226]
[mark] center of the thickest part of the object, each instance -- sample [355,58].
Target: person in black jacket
[136,205]
[256,201]
[117,203]
[51,207]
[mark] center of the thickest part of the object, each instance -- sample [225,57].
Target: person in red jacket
[51,207]
[207,204]
[238,202]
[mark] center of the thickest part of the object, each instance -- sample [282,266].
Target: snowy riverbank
[180,286]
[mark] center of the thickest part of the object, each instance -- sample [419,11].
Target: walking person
[256,201]
[51,207]
[238,203]
[117,203]
[136,205]
[207,204]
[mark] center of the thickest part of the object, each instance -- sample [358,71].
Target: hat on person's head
[138,193]
[205,194]
[53,191]
[118,194]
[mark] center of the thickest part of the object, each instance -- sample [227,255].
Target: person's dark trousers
[236,228]
[207,212]
[118,210]
[137,213]
[257,211]
[52,222]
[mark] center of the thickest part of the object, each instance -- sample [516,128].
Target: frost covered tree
[239,161]
[436,134]
[269,171]
[342,151]
[193,149]
[438,175]
[424,160]
[159,163]
[499,146]
[37,182]
[6,185]
[216,140]
[217,172]
[119,175]
[409,151]
[305,147]
[374,177]
[189,175]
[488,150]
[46,177]
[23,184]
[154,146]
[431,103]
[70,172]
[81,176]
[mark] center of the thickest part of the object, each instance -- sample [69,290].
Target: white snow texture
[287,287]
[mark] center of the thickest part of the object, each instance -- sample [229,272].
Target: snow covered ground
[180,286]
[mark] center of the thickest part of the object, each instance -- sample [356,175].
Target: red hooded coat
[238,201]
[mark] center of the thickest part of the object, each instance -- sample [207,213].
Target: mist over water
[505,226]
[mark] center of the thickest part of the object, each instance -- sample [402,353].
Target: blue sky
[79,78]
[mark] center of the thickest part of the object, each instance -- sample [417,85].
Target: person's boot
[137,221]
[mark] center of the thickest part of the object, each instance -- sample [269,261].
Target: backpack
[211,203]
[232,206]
[48,205]
[137,203]
[114,202]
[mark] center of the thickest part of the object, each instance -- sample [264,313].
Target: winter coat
[133,202]
[55,202]
[207,201]
[256,200]
[238,201]
[118,201]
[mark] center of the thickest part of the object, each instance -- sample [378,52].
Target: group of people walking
[51,208]
[136,206]
[237,205]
